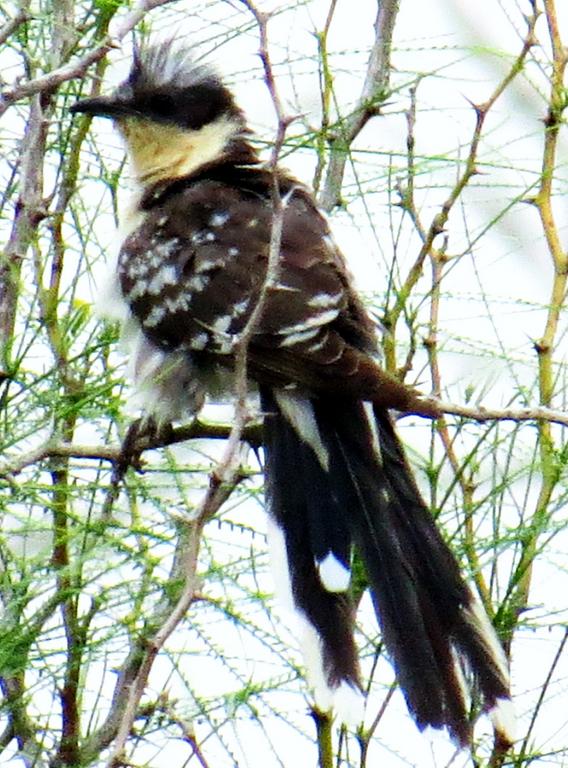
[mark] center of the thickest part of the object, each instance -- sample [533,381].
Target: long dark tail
[337,478]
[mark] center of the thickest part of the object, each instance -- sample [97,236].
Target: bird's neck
[161,153]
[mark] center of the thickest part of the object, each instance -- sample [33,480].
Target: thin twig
[542,694]
[11,26]
[326,90]
[76,69]
[544,348]
[482,414]
[374,88]
[366,735]
[439,221]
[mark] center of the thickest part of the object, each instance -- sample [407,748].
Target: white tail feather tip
[477,617]
[349,704]
[503,718]
[334,576]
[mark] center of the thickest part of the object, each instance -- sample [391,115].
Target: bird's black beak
[104,106]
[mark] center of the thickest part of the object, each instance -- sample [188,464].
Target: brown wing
[193,271]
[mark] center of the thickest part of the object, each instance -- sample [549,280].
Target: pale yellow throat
[158,151]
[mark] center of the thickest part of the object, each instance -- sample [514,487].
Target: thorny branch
[76,69]
[272,271]
[11,26]
[438,259]
[550,473]
[524,750]
[251,433]
[439,221]
[372,94]
[134,673]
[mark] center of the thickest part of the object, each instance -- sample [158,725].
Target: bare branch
[197,429]
[543,692]
[29,213]
[440,220]
[11,26]
[278,207]
[374,87]
[544,348]
[483,414]
[52,80]
[252,434]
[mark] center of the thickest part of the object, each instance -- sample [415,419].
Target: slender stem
[546,344]
[372,94]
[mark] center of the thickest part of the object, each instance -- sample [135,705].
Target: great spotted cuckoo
[191,267]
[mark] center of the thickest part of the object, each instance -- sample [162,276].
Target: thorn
[480,109]
[286,120]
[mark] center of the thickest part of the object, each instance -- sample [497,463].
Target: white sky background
[473,43]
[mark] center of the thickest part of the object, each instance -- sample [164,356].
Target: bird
[191,267]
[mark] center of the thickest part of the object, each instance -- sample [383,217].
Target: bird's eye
[161,105]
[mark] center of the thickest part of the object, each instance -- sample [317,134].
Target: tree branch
[374,88]
[76,69]
[439,221]
[252,434]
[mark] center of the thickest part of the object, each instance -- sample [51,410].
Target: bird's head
[174,115]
